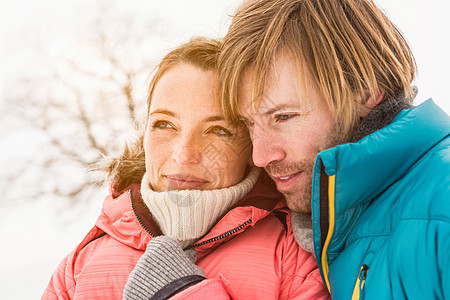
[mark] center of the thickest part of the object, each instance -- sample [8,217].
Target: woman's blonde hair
[348,47]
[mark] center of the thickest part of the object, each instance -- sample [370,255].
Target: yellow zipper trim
[324,261]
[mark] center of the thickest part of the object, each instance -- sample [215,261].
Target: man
[324,87]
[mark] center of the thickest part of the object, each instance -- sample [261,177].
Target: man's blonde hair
[199,52]
[348,47]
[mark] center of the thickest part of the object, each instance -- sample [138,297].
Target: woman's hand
[162,271]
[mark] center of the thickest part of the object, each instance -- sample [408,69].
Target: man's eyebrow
[165,112]
[268,112]
[277,108]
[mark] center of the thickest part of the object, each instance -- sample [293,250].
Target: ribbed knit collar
[383,114]
[187,215]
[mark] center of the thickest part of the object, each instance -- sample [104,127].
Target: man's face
[288,129]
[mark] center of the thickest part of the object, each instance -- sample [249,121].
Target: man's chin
[297,188]
[298,203]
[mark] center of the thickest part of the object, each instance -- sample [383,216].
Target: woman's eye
[220,131]
[161,124]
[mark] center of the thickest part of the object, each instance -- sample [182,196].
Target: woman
[192,190]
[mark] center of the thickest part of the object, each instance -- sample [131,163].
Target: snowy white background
[35,236]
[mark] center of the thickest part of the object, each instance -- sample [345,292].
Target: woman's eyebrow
[172,114]
[165,112]
[214,119]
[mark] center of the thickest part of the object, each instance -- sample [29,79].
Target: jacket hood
[122,218]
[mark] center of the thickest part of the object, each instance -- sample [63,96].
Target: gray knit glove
[162,271]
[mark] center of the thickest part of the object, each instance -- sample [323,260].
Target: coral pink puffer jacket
[249,254]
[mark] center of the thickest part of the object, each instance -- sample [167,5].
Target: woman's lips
[185,181]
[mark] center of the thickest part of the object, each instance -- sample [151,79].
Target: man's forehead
[246,105]
[286,91]
[265,100]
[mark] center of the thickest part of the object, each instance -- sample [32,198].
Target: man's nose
[267,146]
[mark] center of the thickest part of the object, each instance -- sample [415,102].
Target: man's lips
[286,181]
[284,177]
[185,181]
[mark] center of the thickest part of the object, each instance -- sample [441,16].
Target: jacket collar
[366,168]
[127,219]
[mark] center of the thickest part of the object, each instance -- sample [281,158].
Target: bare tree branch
[87,125]
[91,100]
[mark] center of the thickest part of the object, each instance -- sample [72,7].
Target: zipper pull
[359,286]
[363,274]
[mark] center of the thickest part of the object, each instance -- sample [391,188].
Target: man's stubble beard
[299,199]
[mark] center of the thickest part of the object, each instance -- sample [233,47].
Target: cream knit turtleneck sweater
[187,215]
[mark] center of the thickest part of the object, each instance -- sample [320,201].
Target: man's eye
[220,131]
[284,117]
[161,124]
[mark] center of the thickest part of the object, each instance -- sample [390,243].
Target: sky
[53,24]
[425,25]
[34,34]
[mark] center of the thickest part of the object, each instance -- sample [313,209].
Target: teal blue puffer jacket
[381,210]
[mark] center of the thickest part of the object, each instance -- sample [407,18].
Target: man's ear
[371,103]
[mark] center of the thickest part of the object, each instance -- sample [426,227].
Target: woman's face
[188,145]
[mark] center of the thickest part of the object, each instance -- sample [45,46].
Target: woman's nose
[187,150]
